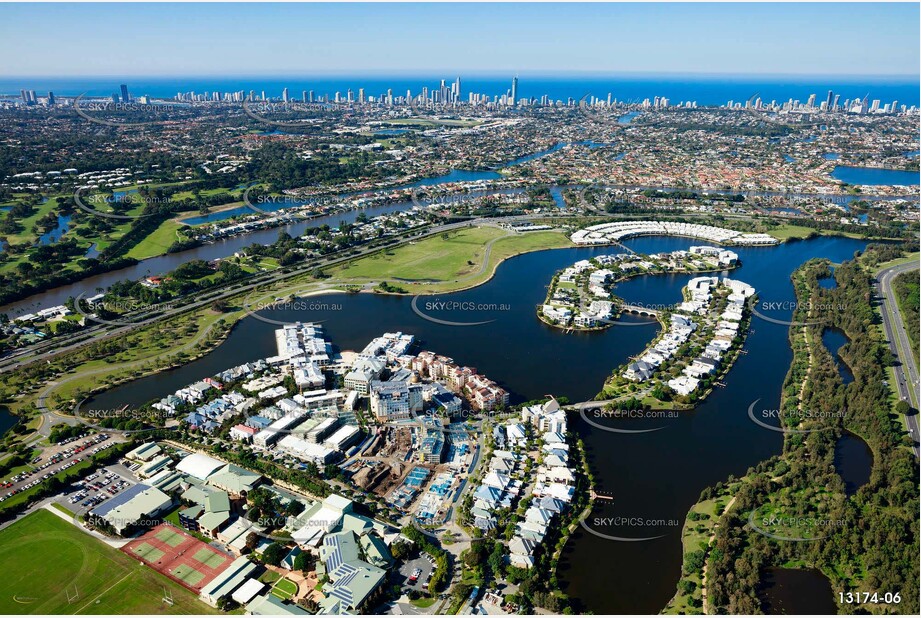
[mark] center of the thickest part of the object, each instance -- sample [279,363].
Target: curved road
[906,370]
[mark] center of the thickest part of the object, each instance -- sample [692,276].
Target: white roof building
[200,466]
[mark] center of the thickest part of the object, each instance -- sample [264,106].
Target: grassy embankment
[907,288]
[793,232]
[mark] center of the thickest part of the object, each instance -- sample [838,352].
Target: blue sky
[302,39]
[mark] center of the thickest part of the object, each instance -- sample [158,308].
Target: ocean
[705,90]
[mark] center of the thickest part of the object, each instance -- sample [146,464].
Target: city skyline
[818,39]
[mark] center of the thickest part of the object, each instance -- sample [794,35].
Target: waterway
[874,176]
[854,462]
[834,339]
[228,246]
[656,475]
[7,420]
[796,591]
[54,235]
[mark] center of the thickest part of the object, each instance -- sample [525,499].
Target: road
[906,369]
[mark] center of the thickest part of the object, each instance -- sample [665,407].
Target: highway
[906,368]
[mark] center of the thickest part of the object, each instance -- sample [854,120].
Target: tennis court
[188,575]
[179,556]
[209,558]
[171,537]
[147,552]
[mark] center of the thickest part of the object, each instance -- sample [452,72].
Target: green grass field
[432,258]
[157,242]
[284,589]
[787,232]
[436,264]
[43,557]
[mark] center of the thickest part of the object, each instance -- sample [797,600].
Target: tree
[274,554]
[476,554]
[496,560]
[294,508]
[400,550]
[304,561]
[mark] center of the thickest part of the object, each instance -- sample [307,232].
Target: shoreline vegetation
[797,498]
[145,351]
[148,237]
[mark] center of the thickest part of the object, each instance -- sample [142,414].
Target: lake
[655,475]
[834,339]
[853,461]
[7,420]
[874,176]
[829,282]
[54,235]
[796,591]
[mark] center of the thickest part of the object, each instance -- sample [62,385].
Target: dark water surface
[853,461]
[796,591]
[874,176]
[834,339]
[7,420]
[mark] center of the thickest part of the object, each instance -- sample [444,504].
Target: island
[700,339]
[581,296]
